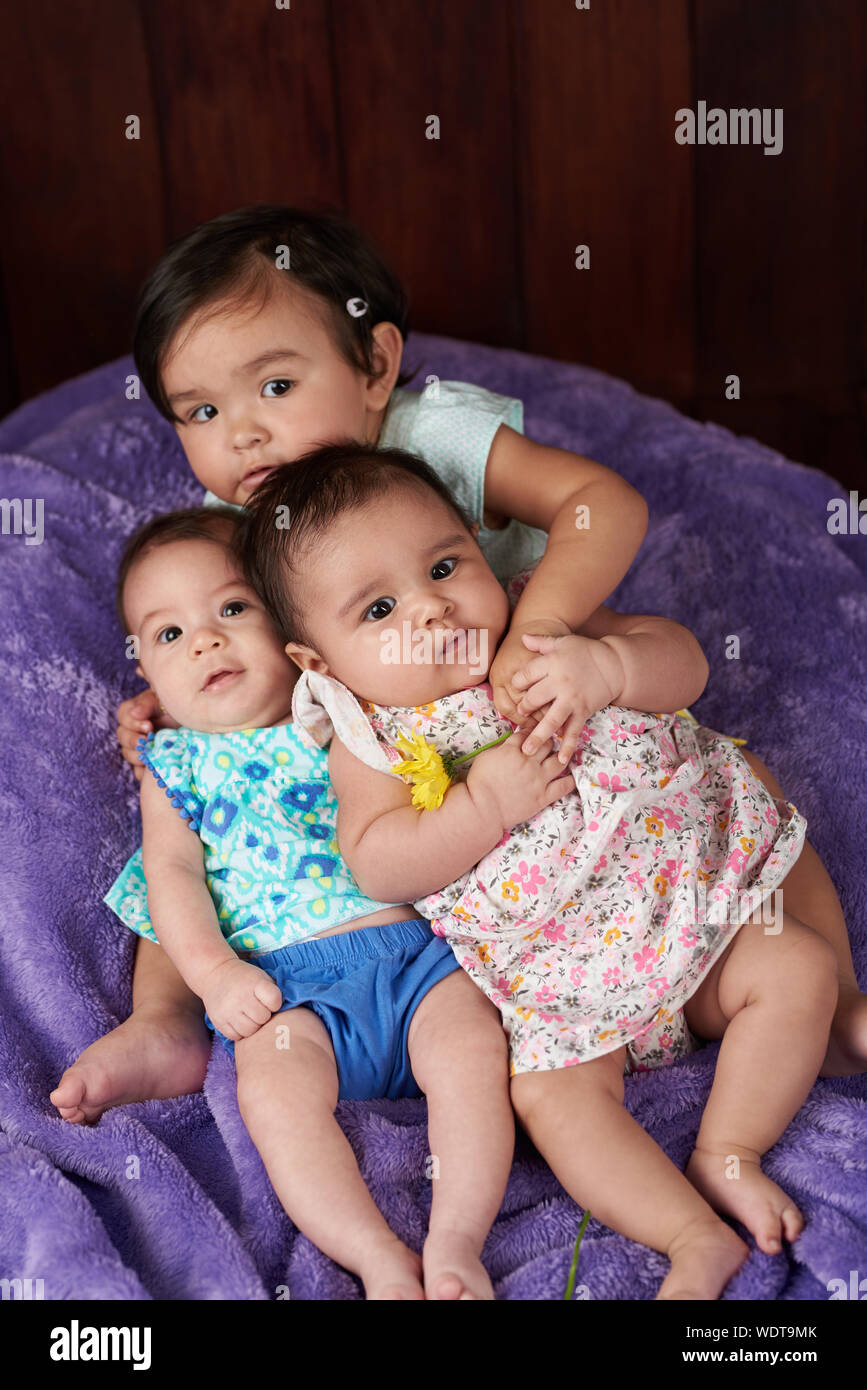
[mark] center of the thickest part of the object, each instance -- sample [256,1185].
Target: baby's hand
[574,677]
[517,786]
[239,998]
[511,657]
[135,717]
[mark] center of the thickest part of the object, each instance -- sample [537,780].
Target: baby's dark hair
[298,502]
[233,257]
[221,524]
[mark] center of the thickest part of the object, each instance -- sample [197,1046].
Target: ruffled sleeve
[322,706]
[128,898]
[168,755]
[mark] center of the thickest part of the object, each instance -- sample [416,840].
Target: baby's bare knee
[287,1066]
[599,1079]
[454,1048]
[807,966]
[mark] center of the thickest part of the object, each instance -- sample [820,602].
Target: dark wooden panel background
[557,128]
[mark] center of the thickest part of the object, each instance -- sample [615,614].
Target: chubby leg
[810,896]
[609,1164]
[459,1057]
[771,998]
[161,1050]
[287,1095]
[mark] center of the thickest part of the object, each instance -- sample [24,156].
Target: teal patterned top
[264,809]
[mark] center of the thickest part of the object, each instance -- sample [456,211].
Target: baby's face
[256,387]
[206,644]
[400,603]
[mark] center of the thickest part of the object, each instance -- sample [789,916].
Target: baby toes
[793,1222]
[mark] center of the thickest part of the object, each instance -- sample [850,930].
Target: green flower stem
[453,762]
[571,1283]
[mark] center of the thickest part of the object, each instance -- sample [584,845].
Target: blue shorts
[365,985]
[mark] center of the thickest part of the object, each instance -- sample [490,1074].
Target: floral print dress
[590,925]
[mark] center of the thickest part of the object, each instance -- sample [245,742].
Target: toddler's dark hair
[187,524]
[233,257]
[311,493]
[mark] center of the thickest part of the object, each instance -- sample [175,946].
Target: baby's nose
[205,640]
[431,607]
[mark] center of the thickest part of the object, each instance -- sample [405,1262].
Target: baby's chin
[446,682]
[232,721]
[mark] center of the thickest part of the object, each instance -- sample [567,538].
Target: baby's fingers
[548,726]
[504,704]
[529,674]
[138,709]
[245,1026]
[570,738]
[540,693]
[561,786]
[541,751]
[269,995]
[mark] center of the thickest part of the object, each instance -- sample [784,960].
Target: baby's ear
[306,658]
[474,530]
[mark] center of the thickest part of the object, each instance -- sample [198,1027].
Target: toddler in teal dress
[321,992]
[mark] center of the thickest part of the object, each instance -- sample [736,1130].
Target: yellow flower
[510,890]
[660,885]
[747,845]
[612,934]
[423,764]
[653,825]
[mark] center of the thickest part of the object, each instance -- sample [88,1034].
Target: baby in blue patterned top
[322,993]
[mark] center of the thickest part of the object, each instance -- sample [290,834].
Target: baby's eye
[236,605]
[207,417]
[164,634]
[280,381]
[448,565]
[380,604]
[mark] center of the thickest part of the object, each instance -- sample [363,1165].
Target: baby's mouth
[218,680]
[257,476]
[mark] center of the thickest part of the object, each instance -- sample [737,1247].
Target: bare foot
[391,1271]
[703,1259]
[751,1197]
[452,1268]
[154,1054]
[847,1046]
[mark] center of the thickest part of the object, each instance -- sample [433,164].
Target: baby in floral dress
[606,926]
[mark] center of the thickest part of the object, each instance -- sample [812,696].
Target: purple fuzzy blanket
[738,544]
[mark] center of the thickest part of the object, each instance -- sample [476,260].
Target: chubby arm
[555,490]
[663,665]
[238,996]
[399,853]
[633,659]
